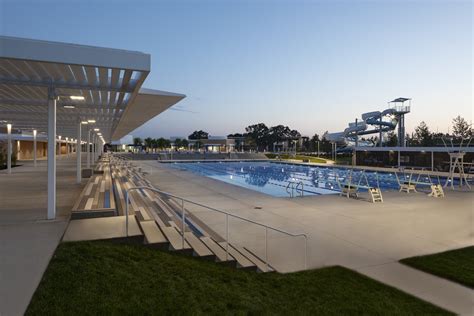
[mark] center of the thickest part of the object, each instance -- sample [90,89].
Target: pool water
[272,178]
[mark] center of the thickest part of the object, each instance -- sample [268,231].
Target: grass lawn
[108,278]
[455,265]
[297,157]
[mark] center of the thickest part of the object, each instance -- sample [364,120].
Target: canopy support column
[51,154]
[78,154]
[34,148]
[89,149]
[9,148]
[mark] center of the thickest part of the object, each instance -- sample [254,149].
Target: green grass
[455,265]
[104,278]
[297,157]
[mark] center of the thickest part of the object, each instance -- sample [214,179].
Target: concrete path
[27,240]
[441,292]
[369,238]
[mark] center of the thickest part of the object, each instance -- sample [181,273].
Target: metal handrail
[302,187]
[183,218]
[292,188]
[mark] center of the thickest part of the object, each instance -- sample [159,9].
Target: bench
[97,197]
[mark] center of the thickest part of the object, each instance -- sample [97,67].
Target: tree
[178,143]
[313,143]
[137,141]
[184,143]
[461,127]
[161,142]
[325,146]
[423,135]
[258,133]
[392,139]
[154,144]
[148,143]
[199,135]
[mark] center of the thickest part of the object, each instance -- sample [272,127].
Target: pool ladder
[295,187]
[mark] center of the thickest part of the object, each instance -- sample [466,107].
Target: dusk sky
[312,65]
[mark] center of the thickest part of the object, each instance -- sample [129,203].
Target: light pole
[34,147]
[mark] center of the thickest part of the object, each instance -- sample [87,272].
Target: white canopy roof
[110,81]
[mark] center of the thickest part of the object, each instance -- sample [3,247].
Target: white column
[93,150]
[34,147]
[51,155]
[9,148]
[88,149]
[78,154]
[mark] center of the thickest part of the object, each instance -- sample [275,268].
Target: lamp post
[34,147]
[9,148]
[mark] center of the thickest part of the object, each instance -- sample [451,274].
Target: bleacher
[97,198]
[160,217]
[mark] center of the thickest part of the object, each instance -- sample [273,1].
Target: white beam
[51,155]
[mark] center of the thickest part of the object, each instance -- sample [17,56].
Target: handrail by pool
[183,219]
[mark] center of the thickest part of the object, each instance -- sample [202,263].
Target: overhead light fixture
[84,122]
[76,97]
[69,107]
[96,129]
[91,121]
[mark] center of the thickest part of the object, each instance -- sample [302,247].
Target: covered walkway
[27,240]
[63,93]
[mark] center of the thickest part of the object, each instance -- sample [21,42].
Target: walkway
[27,240]
[369,238]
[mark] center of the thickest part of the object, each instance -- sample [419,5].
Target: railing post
[226,237]
[305,253]
[183,220]
[126,213]
[266,247]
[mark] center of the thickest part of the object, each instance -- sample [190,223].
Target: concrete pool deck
[369,238]
[27,239]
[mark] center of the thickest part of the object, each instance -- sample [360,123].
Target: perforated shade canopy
[109,80]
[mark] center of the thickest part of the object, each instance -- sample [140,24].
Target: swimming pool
[272,177]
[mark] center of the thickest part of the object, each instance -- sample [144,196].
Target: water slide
[371,123]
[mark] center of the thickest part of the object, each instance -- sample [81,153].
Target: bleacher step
[217,250]
[261,266]
[153,235]
[175,239]
[199,248]
[242,261]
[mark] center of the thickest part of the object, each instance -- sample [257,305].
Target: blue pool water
[272,178]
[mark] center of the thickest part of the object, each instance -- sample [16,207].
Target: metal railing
[183,220]
[293,186]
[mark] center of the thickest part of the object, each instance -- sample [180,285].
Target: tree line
[260,137]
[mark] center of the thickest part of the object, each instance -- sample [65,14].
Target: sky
[311,65]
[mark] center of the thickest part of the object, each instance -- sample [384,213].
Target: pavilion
[84,95]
